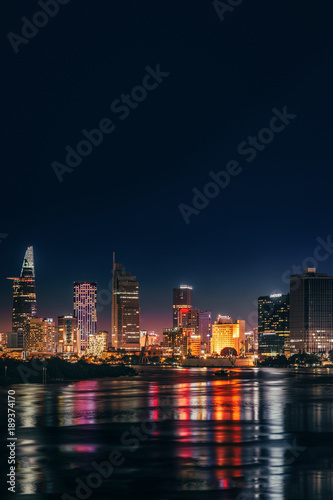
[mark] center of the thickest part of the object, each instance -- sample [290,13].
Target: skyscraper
[311,312]
[273,324]
[125,328]
[85,298]
[182,299]
[24,296]
[40,335]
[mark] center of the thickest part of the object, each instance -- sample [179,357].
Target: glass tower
[182,299]
[24,296]
[273,324]
[125,328]
[311,312]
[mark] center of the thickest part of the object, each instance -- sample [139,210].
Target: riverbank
[57,370]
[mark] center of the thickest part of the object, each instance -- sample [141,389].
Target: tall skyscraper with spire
[24,296]
[125,328]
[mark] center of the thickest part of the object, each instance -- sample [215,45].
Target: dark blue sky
[225,79]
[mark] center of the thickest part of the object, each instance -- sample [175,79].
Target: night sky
[223,81]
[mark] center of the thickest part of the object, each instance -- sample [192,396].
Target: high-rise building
[125,327]
[225,333]
[205,328]
[24,296]
[182,299]
[273,325]
[85,299]
[40,335]
[311,312]
[188,318]
[69,339]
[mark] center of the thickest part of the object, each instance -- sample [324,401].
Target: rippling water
[178,434]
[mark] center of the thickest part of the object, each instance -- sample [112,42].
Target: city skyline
[188,317]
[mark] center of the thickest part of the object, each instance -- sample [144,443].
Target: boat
[223,373]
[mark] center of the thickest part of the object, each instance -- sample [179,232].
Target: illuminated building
[24,296]
[153,339]
[251,345]
[105,336]
[3,339]
[273,325]
[85,298]
[69,340]
[205,328]
[125,327]
[188,318]
[182,299]
[173,340]
[311,312]
[225,333]
[95,345]
[181,342]
[191,343]
[40,335]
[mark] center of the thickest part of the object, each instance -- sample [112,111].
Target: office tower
[125,327]
[85,298]
[182,299]
[225,333]
[69,339]
[273,325]
[24,296]
[40,335]
[188,318]
[205,328]
[311,312]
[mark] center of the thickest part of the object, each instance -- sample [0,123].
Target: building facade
[24,296]
[85,299]
[182,299]
[40,336]
[273,325]
[311,312]
[69,339]
[205,329]
[226,334]
[125,321]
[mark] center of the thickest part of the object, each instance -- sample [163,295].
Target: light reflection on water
[263,432]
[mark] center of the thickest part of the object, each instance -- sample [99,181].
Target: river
[175,433]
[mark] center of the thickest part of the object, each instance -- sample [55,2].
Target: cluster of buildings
[301,320]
